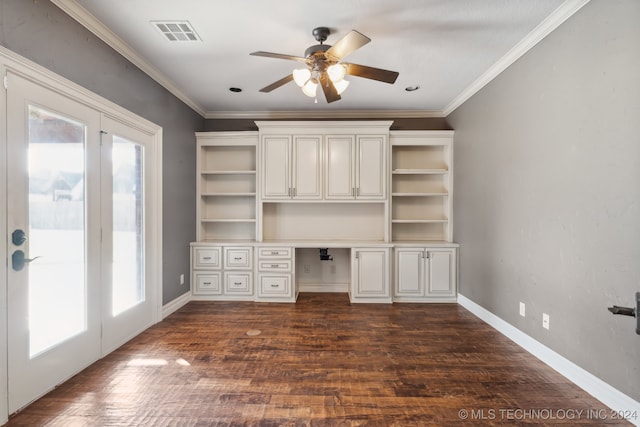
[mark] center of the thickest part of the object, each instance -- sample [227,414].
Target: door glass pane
[128,225]
[56,231]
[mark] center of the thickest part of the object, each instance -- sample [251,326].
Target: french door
[77,215]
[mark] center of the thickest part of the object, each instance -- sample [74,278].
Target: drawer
[238,283]
[273,286]
[207,283]
[274,265]
[265,252]
[206,258]
[237,258]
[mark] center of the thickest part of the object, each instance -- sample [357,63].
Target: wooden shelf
[419,194]
[226,185]
[421,185]
[419,221]
[220,194]
[249,220]
[420,171]
[230,172]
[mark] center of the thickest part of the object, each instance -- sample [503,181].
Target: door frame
[11,61]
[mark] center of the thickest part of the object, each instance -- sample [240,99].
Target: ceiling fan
[323,66]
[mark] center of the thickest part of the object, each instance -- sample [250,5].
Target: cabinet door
[371,167]
[339,167]
[307,167]
[276,167]
[409,272]
[370,274]
[442,278]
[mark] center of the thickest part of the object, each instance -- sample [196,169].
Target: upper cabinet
[323,160]
[355,167]
[291,167]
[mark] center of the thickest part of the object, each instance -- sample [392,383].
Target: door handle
[18,260]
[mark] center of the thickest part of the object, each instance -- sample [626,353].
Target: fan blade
[329,89]
[279,56]
[372,73]
[352,41]
[275,85]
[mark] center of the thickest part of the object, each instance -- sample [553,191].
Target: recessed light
[235,89]
[411,88]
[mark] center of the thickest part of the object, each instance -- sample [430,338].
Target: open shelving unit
[226,186]
[421,185]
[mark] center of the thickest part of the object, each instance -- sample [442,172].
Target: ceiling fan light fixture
[341,86]
[301,76]
[337,72]
[310,88]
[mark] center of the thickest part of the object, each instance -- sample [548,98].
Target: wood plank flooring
[319,362]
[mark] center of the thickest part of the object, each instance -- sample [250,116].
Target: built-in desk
[369,271]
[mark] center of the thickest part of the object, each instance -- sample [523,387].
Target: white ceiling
[450,48]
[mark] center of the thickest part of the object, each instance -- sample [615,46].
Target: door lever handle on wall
[18,260]
[629,311]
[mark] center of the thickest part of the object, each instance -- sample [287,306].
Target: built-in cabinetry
[425,273]
[226,185]
[291,167]
[421,185]
[370,275]
[276,274]
[355,167]
[386,196]
[222,271]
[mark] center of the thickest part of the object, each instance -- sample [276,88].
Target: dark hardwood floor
[319,362]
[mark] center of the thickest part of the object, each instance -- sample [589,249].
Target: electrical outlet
[307,269]
[522,309]
[545,320]
[182,279]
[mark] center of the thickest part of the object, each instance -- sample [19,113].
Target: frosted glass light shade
[341,86]
[310,88]
[337,72]
[301,76]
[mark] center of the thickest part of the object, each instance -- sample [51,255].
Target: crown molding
[553,21]
[84,18]
[335,114]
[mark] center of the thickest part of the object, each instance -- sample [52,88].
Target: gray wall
[41,32]
[547,191]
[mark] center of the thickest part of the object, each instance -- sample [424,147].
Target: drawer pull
[275,253]
[206,283]
[237,283]
[274,285]
[206,258]
[237,258]
[275,265]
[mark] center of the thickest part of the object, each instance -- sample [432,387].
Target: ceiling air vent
[177,31]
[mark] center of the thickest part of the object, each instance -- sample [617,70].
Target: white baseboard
[176,304]
[610,396]
[323,287]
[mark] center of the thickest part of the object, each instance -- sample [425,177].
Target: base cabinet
[424,274]
[370,275]
[276,275]
[220,272]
